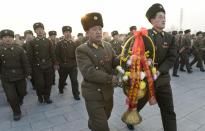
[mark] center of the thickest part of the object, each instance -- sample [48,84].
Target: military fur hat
[153,10]
[6,32]
[38,25]
[187,31]
[115,32]
[180,32]
[133,28]
[80,34]
[67,28]
[50,33]
[28,32]
[174,32]
[91,20]
[199,32]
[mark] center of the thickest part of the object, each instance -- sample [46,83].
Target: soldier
[42,57]
[176,64]
[96,61]
[202,49]
[132,30]
[116,43]
[52,37]
[196,51]
[185,50]
[14,68]
[81,39]
[54,40]
[28,34]
[65,53]
[166,54]
[18,40]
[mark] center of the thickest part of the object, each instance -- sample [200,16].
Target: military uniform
[81,40]
[96,63]
[196,53]
[65,53]
[54,43]
[42,57]
[166,53]
[14,68]
[186,45]
[202,50]
[176,64]
[116,44]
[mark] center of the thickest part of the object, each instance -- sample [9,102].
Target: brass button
[99,89]
[43,60]
[96,68]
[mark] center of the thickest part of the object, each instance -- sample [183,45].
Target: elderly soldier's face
[40,31]
[159,21]
[95,33]
[7,40]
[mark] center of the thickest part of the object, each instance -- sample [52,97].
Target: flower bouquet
[137,74]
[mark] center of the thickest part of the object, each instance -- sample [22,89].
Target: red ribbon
[138,50]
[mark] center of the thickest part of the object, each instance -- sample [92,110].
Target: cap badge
[95,17]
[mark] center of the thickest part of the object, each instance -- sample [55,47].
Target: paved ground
[66,114]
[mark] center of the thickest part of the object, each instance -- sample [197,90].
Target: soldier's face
[53,37]
[95,33]
[200,36]
[40,32]
[116,37]
[29,37]
[67,34]
[159,21]
[7,40]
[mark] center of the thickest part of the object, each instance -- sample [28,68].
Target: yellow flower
[127,73]
[147,54]
[142,85]
[154,70]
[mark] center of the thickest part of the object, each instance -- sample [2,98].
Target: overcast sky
[19,15]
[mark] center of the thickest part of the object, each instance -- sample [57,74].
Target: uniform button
[2,55]
[13,71]
[99,89]
[4,61]
[5,49]
[38,64]
[96,68]
[37,53]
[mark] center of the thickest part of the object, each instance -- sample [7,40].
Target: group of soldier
[189,45]
[37,59]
